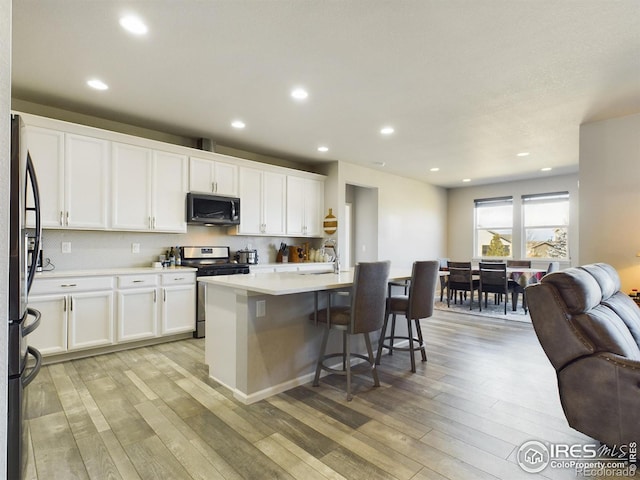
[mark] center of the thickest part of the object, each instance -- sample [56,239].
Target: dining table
[523,276]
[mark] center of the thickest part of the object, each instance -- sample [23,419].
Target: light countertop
[286,283]
[111,271]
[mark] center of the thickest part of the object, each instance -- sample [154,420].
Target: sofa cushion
[578,289]
[628,311]
[606,276]
[607,332]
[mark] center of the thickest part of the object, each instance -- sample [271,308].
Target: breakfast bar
[260,339]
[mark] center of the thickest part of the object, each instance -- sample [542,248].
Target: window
[494,224]
[546,225]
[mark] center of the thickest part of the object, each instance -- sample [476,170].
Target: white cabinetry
[305,204]
[149,189]
[178,303]
[262,202]
[77,313]
[73,175]
[137,307]
[213,176]
[146,309]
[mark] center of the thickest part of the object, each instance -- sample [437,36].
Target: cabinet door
[169,192]
[46,148]
[201,173]
[137,314]
[314,207]
[51,335]
[274,203]
[132,177]
[226,178]
[90,319]
[295,205]
[86,182]
[250,201]
[178,309]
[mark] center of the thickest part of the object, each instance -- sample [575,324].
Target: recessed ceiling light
[97,84]
[522,154]
[466,180]
[133,24]
[239,124]
[387,130]
[545,169]
[323,149]
[299,93]
[434,169]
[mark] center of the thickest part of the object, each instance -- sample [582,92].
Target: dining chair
[519,263]
[364,315]
[416,305]
[493,279]
[443,279]
[461,280]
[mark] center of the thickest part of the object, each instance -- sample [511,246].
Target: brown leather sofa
[590,331]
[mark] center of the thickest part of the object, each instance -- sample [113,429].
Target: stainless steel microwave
[204,208]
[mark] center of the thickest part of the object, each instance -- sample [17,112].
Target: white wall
[610,196]
[460,215]
[5,104]
[411,215]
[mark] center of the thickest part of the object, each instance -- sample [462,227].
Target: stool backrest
[422,292]
[369,296]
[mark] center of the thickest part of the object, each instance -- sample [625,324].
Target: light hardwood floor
[153,413]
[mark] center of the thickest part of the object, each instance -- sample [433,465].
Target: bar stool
[414,306]
[364,315]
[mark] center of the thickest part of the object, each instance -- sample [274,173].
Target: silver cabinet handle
[61,218]
[64,304]
[66,285]
[213,187]
[155,296]
[71,304]
[150,223]
[138,281]
[165,295]
[67,223]
[179,278]
[154,223]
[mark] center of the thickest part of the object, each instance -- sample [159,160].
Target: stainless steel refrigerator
[22,320]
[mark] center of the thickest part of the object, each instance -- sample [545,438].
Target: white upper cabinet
[305,204]
[169,192]
[149,189]
[132,177]
[262,202]
[46,148]
[213,176]
[73,177]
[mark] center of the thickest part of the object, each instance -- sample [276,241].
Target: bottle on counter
[172,257]
[178,257]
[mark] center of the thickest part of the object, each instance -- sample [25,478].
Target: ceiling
[467,85]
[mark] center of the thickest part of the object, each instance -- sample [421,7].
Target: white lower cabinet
[137,307]
[90,320]
[88,312]
[73,321]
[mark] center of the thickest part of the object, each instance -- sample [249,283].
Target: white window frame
[490,202]
[551,197]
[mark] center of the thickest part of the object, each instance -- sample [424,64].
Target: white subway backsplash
[104,249]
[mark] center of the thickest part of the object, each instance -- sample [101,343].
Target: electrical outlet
[261,308]
[66,247]
[135,248]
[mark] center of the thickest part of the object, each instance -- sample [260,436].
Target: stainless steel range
[209,261]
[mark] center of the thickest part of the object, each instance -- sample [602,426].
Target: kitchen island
[260,339]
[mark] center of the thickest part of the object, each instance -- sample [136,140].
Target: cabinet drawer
[70,285]
[178,278]
[134,281]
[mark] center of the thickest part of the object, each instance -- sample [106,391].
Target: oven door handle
[31,312]
[27,379]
